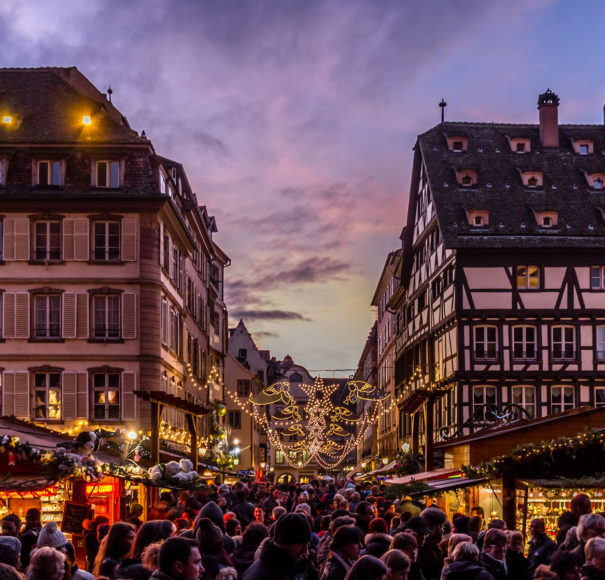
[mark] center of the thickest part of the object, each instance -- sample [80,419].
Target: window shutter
[129,240]
[70,397]
[22,395]
[81,240]
[69,315]
[128,396]
[164,322]
[8,394]
[161,243]
[129,315]
[9,314]
[82,315]
[22,239]
[68,239]
[8,241]
[82,388]
[21,315]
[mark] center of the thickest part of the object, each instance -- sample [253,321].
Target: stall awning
[424,476]
[440,485]
[389,468]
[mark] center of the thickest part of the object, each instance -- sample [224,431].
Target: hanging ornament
[220,409]
[11,458]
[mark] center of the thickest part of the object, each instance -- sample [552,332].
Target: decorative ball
[220,409]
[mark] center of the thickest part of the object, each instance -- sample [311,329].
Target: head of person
[51,536]
[347,540]
[180,559]
[497,524]
[494,543]
[8,572]
[580,505]
[367,568]
[537,528]
[137,510]
[456,539]
[590,526]
[466,552]
[254,534]
[277,512]
[475,524]
[407,544]
[364,511]
[595,554]
[397,563]
[32,518]
[209,536]
[259,514]
[460,523]
[47,564]
[151,532]
[514,540]
[418,528]
[378,526]
[233,527]
[565,566]
[434,519]
[543,572]
[293,534]
[10,550]
[11,524]
[150,554]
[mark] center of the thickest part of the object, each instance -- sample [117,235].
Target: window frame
[108,249]
[104,296]
[46,388]
[563,342]
[600,343]
[485,342]
[35,331]
[241,392]
[109,182]
[51,166]
[524,342]
[232,415]
[600,276]
[48,234]
[528,277]
[562,404]
[483,389]
[523,403]
[106,388]
[599,404]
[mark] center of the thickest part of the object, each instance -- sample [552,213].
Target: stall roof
[380,471]
[437,486]
[36,436]
[424,476]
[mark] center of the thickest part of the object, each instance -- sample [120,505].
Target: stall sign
[73,516]
[102,488]
[47,492]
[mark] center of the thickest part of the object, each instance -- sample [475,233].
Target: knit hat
[433,516]
[51,536]
[416,525]
[378,526]
[209,536]
[11,549]
[292,529]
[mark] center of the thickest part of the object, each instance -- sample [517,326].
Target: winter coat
[276,564]
[336,567]
[430,558]
[495,567]
[540,552]
[516,564]
[465,570]
[377,544]
[245,512]
[591,573]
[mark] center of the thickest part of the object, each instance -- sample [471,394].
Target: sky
[296,120]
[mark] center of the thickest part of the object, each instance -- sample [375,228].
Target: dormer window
[546,222]
[108,174]
[457,144]
[478,218]
[597,183]
[532,182]
[583,146]
[3,168]
[583,149]
[532,179]
[519,144]
[466,177]
[520,147]
[49,173]
[546,219]
[595,180]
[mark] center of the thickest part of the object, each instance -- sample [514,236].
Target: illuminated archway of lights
[316,422]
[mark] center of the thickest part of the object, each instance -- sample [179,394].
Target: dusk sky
[295,121]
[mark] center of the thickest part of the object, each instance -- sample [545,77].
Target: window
[47,316]
[597,183]
[478,220]
[279,456]
[106,395]
[532,182]
[546,222]
[107,241]
[176,267]
[457,146]
[583,149]
[599,397]
[47,240]
[520,147]
[49,173]
[528,277]
[3,167]
[108,174]
[106,312]
[483,399]
[524,397]
[242,354]
[561,399]
[563,342]
[486,343]
[47,396]
[243,387]
[524,342]
[597,277]
[235,419]
[600,342]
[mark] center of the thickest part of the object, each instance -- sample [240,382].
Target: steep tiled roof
[49,103]
[500,189]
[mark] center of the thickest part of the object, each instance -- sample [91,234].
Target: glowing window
[528,277]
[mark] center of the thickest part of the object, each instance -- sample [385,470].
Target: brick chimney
[548,105]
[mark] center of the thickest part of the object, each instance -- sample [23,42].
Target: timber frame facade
[501,308]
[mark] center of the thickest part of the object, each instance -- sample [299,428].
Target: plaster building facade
[112,284]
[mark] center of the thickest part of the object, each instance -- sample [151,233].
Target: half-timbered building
[501,308]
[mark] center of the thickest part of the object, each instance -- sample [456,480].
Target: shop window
[563,342]
[528,277]
[486,343]
[47,240]
[562,398]
[47,396]
[484,399]
[525,398]
[524,343]
[106,395]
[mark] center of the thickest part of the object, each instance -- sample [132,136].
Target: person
[243,509]
[364,514]
[10,550]
[29,534]
[179,559]
[91,540]
[46,564]
[259,515]
[149,557]
[397,563]
[493,556]
[452,542]
[589,526]
[9,573]
[210,542]
[149,533]
[408,545]
[283,556]
[579,506]
[465,565]
[345,549]
[134,517]
[116,545]
[11,524]
[367,568]
[430,556]
[564,566]
[243,556]
[378,540]
[595,560]
[516,563]
[541,547]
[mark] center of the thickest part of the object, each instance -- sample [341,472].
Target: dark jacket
[540,552]
[591,573]
[516,564]
[465,570]
[336,567]
[276,564]
[430,558]
[495,567]
[245,512]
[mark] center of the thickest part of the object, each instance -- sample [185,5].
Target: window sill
[106,340]
[46,262]
[106,262]
[44,339]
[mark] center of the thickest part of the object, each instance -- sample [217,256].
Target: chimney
[548,105]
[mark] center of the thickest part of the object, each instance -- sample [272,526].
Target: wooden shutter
[128,396]
[69,315]
[164,321]
[15,394]
[161,243]
[68,239]
[81,240]
[8,310]
[21,315]
[82,315]
[82,389]
[70,395]
[8,239]
[22,239]
[129,240]
[129,315]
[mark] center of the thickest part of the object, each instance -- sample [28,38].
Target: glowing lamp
[385,460]
[7,119]
[86,120]
[263,465]
[236,461]
[132,435]
[236,442]
[236,450]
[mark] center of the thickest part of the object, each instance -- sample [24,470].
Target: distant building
[367,371]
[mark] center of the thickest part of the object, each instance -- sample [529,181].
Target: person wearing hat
[283,557]
[430,556]
[211,546]
[10,548]
[344,551]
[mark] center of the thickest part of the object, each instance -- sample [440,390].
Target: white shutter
[69,315]
[82,388]
[8,393]
[22,239]
[21,315]
[68,239]
[70,396]
[8,239]
[128,396]
[82,315]
[129,240]
[15,394]
[161,243]
[81,240]
[129,315]
[8,310]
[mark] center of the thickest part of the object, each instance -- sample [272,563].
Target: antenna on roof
[109,92]
[442,104]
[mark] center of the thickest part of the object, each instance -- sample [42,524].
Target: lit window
[47,311]
[597,277]
[528,277]
[47,396]
[525,398]
[524,342]
[486,343]
[563,342]
[561,398]
[108,174]
[106,395]
[47,240]
[106,312]
[49,173]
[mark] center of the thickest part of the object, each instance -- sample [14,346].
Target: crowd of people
[316,531]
